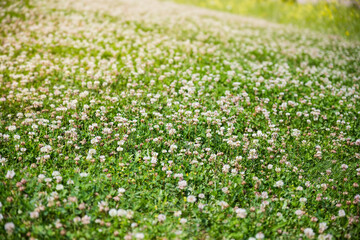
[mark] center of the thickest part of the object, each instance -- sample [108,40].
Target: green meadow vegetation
[324,16]
[124,119]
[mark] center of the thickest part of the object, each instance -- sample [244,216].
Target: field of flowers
[140,119]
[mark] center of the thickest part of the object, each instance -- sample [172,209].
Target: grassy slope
[324,17]
[98,90]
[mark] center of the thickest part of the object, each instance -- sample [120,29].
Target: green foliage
[324,16]
[121,120]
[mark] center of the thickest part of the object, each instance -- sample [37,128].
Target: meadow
[147,119]
[327,16]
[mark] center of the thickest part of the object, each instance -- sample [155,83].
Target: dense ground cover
[327,16]
[141,119]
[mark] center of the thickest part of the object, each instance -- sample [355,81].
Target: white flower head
[9,227]
[10,174]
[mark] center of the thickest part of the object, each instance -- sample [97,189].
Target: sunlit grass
[325,17]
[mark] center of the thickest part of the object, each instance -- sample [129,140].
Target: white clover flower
[342,213]
[34,214]
[223,204]
[260,235]
[241,213]
[139,236]
[191,199]
[91,152]
[325,236]
[10,174]
[182,184]
[226,168]
[85,220]
[153,160]
[9,227]
[129,214]
[12,128]
[59,187]
[177,213]
[121,212]
[279,184]
[46,149]
[309,233]
[113,212]
[264,195]
[183,220]
[225,190]
[299,212]
[322,226]
[161,218]
[84,174]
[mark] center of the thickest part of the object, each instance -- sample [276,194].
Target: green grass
[325,16]
[152,120]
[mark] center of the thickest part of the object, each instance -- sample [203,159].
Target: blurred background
[339,17]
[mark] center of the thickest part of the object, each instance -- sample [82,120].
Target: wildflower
[177,213]
[225,168]
[59,187]
[46,149]
[161,218]
[85,220]
[113,212]
[121,212]
[241,213]
[299,213]
[191,199]
[182,184]
[139,236]
[41,177]
[260,235]
[129,214]
[92,151]
[12,128]
[183,220]
[322,227]
[223,204]
[225,190]
[309,233]
[10,174]
[342,213]
[9,227]
[279,184]
[34,214]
